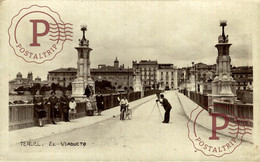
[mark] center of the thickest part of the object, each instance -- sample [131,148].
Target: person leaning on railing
[38,107]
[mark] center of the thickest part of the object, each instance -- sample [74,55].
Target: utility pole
[195,72]
[128,83]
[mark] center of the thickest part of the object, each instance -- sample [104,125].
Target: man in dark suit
[100,102]
[53,102]
[167,107]
[64,102]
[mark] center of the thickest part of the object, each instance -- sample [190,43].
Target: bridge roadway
[141,138]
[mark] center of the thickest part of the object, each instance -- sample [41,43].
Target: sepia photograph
[129,80]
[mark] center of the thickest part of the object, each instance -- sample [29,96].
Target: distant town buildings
[63,76]
[155,75]
[167,76]
[148,73]
[151,75]
[203,72]
[119,76]
[19,81]
[243,76]
[201,75]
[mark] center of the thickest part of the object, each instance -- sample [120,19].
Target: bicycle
[126,113]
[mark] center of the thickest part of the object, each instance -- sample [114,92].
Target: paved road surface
[136,139]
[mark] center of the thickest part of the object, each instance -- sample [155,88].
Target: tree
[21,88]
[44,89]
[104,84]
[113,87]
[148,87]
[69,87]
[36,87]
[55,86]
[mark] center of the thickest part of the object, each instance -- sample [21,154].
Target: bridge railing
[198,98]
[240,113]
[23,115]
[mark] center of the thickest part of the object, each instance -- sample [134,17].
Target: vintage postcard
[129,80]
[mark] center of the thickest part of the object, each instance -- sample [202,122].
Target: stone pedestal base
[137,88]
[219,98]
[91,83]
[78,89]
[224,86]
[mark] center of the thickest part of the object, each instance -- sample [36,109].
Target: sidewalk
[204,119]
[33,133]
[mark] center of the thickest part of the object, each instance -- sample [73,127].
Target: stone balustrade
[23,115]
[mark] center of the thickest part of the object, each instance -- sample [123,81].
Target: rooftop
[63,70]
[165,66]
[112,69]
[146,62]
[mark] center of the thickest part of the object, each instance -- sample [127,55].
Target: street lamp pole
[194,65]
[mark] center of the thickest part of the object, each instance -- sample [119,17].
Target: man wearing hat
[64,101]
[39,108]
[167,107]
[54,100]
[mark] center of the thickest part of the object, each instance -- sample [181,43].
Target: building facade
[203,72]
[19,81]
[243,76]
[62,76]
[119,76]
[167,77]
[148,73]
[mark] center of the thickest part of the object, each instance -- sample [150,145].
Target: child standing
[72,106]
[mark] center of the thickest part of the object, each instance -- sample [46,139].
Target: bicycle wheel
[129,114]
[121,115]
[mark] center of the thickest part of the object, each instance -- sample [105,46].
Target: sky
[168,31]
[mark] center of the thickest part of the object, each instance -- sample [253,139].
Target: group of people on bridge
[65,107]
